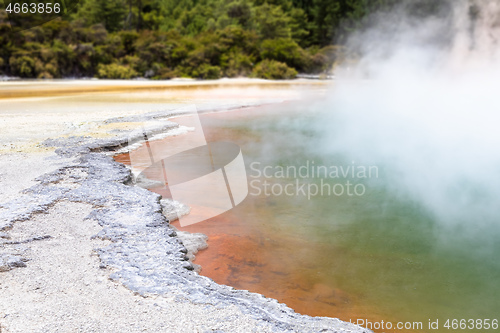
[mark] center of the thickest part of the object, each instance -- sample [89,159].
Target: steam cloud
[423,103]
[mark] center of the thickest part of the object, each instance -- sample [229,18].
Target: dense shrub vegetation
[206,39]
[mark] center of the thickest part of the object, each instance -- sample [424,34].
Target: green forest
[204,39]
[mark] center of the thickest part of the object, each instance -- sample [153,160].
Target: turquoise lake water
[383,254]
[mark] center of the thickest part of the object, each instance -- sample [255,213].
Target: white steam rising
[423,103]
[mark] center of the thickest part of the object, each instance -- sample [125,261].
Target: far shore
[60,87]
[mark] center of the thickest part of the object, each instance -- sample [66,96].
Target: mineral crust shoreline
[133,246]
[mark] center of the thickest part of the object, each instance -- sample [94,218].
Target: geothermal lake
[368,250]
[389,251]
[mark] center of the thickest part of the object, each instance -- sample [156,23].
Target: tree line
[206,39]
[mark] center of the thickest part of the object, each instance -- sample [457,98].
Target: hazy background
[422,103]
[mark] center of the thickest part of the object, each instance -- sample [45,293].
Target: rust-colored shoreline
[227,262]
[54,88]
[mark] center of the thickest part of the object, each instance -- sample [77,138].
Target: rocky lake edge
[144,252]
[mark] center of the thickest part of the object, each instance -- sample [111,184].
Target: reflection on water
[374,257]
